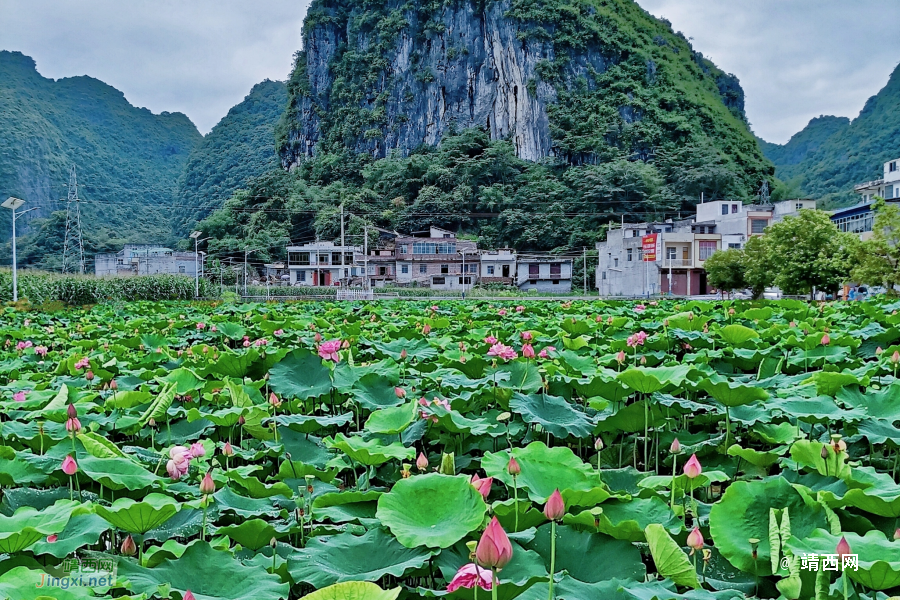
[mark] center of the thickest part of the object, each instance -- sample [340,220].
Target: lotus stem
[494,583]
[844,577]
[516,499]
[727,427]
[552,556]
[674,471]
[203,530]
[71,490]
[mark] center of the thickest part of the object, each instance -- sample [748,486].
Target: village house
[436,259]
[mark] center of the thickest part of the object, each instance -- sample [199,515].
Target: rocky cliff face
[410,74]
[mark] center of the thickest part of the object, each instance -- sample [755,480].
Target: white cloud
[796,59]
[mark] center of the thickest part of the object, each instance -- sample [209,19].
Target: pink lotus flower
[51,539]
[422,462]
[482,485]
[675,448]
[502,312]
[207,485]
[197,450]
[494,549]
[73,425]
[246,343]
[82,364]
[692,467]
[826,340]
[527,351]
[695,540]
[227,450]
[41,351]
[555,508]
[640,308]
[261,342]
[273,400]
[188,596]
[69,466]
[426,329]
[400,392]
[490,340]
[895,357]
[329,350]
[201,326]
[19,396]
[503,351]
[620,356]
[843,547]
[526,336]
[278,332]
[128,547]
[213,328]
[469,576]
[434,307]
[317,337]
[637,339]
[403,354]
[512,467]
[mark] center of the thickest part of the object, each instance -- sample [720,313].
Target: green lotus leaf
[737,335]
[633,419]
[392,420]
[732,395]
[879,431]
[431,510]
[879,559]
[647,380]
[755,457]
[880,404]
[743,514]
[230,364]
[375,392]
[20,583]
[312,424]
[81,530]
[809,454]
[670,560]
[879,496]
[226,417]
[242,506]
[369,452]
[117,473]
[28,525]
[16,470]
[543,470]
[521,376]
[629,520]
[589,557]
[354,590]
[208,573]
[127,399]
[231,330]
[139,517]
[185,380]
[256,488]
[344,507]
[300,374]
[252,534]
[99,446]
[552,413]
[327,560]
[829,384]
[159,406]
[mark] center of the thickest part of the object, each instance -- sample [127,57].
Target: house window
[702,230]
[302,275]
[556,282]
[298,258]
[734,208]
[892,166]
[555,269]
[432,248]
[799,206]
[758,225]
[629,255]
[735,246]
[323,259]
[706,249]
[615,263]
[404,248]
[445,269]
[724,209]
[382,270]
[423,268]
[535,269]
[490,271]
[670,253]
[439,281]
[181,268]
[604,274]
[447,235]
[465,280]
[404,269]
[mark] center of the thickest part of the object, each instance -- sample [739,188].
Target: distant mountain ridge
[832,154]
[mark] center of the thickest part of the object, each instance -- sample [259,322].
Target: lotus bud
[826,340]
[824,452]
[598,444]
[675,448]
[113,385]
[241,420]
[494,550]
[695,540]
[512,467]
[69,466]
[273,400]
[843,547]
[620,357]
[403,354]
[482,485]
[555,508]
[128,548]
[52,539]
[207,485]
[188,596]
[879,351]
[448,464]
[227,450]
[643,360]
[400,392]
[73,425]
[426,329]
[422,462]
[317,337]
[895,357]
[897,534]
[692,467]
[666,323]
[71,411]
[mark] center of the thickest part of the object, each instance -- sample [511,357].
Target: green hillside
[241,146]
[832,154]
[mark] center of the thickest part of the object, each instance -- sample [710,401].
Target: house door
[315,278]
[506,270]
[326,278]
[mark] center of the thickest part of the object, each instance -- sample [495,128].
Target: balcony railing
[677,263]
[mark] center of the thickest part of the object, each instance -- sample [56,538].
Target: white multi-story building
[859,218]
[888,187]
[680,248]
[323,263]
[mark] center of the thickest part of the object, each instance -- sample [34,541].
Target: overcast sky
[796,59]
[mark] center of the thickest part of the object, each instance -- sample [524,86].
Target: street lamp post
[196,237]
[13,204]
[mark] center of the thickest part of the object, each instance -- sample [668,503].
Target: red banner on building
[648,242]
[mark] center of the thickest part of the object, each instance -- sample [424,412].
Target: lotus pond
[568,450]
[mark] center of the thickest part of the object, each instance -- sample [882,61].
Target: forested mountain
[489,116]
[832,154]
[128,159]
[241,146]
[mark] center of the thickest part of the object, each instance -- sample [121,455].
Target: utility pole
[12,204]
[464,274]
[73,247]
[342,244]
[195,236]
[366,254]
[585,271]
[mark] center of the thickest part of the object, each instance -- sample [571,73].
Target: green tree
[878,258]
[758,269]
[809,253]
[725,270]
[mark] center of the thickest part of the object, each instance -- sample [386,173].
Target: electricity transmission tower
[73,248]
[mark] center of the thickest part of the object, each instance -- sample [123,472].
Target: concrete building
[498,266]
[145,259]
[436,259]
[888,187]
[860,219]
[676,251]
[548,274]
[320,264]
